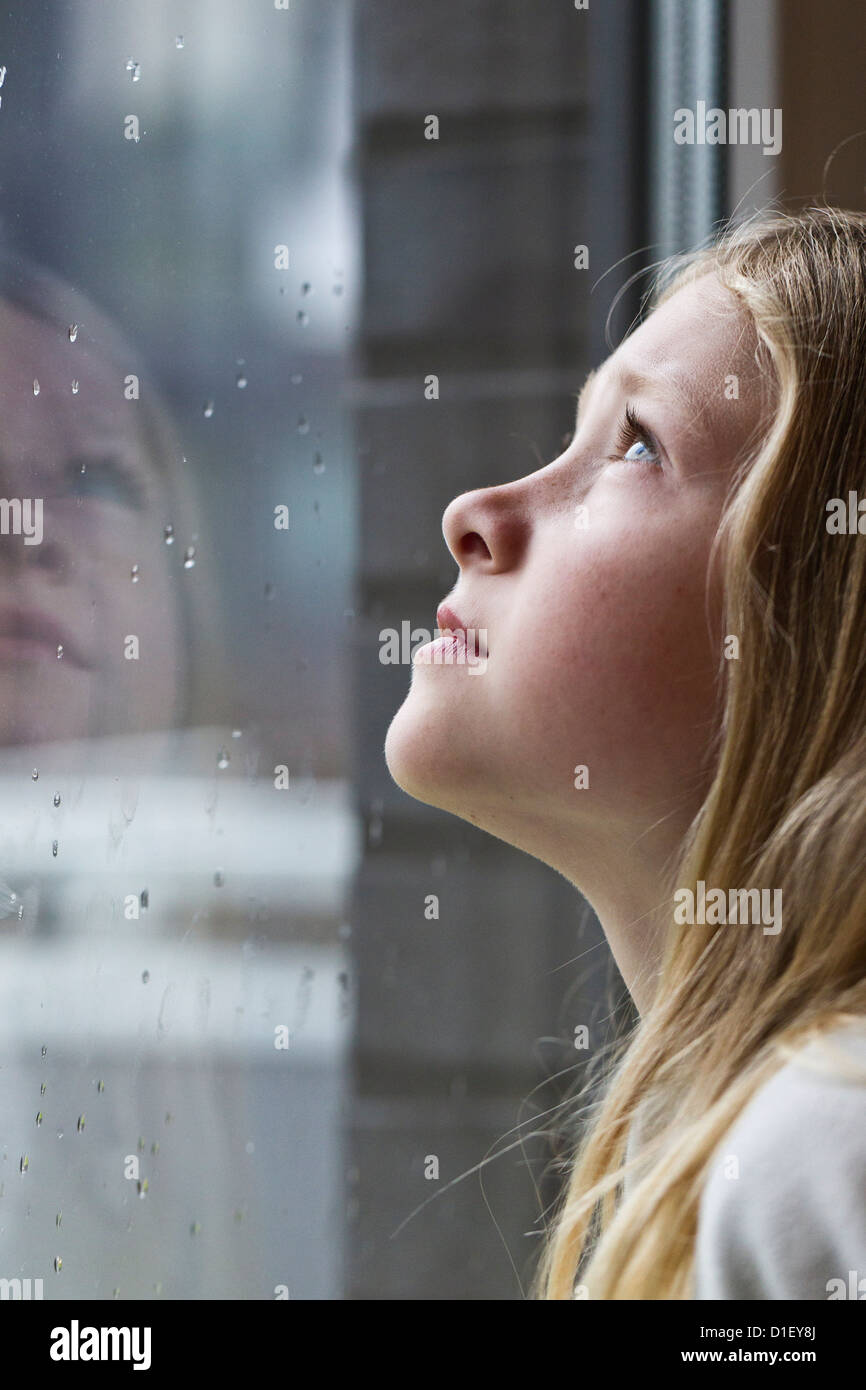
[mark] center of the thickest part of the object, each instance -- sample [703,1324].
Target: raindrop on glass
[318,463]
[134,574]
[194,1229]
[35,774]
[56,798]
[168,534]
[338,289]
[54,848]
[269,591]
[296,378]
[222,758]
[306,287]
[44,1051]
[35,387]
[24,1164]
[80,1123]
[58,1263]
[241,381]
[135,68]
[142,1185]
[236,733]
[303,318]
[303,425]
[58,1220]
[75,388]
[178,43]
[218,879]
[208,410]
[189,558]
[100,1086]
[145,976]
[42,1089]
[73,332]
[38,1118]
[60,651]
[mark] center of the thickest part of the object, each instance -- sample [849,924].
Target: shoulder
[783,1210]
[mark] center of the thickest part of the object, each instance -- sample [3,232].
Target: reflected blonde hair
[786,807]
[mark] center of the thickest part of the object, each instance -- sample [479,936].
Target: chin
[424,760]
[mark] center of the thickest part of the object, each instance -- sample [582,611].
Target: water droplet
[306,287]
[189,558]
[208,410]
[38,1118]
[83,468]
[44,1051]
[58,1220]
[236,733]
[142,1186]
[56,798]
[80,1123]
[218,879]
[58,1263]
[222,758]
[303,318]
[100,1086]
[24,1164]
[54,848]
[154,1148]
[296,378]
[20,911]
[2,76]
[141,1143]
[241,381]
[60,651]
[115,1292]
[144,897]
[269,591]
[135,68]
[168,534]
[178,43]
[303,425]
[318,463]
[35,387]
[75,388]
[35,774]
[338,289]
[134,574]
[73,332]
[249,1147]
[42,1089]
[194,1229]
[145,976]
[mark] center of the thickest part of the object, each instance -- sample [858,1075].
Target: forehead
[32,349]
[685,352]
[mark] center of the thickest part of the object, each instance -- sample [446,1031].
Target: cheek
[622,676]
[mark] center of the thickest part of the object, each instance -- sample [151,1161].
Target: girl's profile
[672,715]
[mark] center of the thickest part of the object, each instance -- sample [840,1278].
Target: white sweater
[792,1225]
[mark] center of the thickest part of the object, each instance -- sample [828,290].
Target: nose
[488,527]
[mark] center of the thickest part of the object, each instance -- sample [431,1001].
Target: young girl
[663,697]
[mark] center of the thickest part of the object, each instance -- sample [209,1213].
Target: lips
[474,638]
[26,634]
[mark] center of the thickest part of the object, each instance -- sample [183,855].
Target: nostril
[472,544]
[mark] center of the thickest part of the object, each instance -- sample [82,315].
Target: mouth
[473,638]
[27,635]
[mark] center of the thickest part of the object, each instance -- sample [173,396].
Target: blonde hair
[786,806]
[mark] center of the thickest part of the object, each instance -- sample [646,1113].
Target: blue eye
[633,435]
[631,457]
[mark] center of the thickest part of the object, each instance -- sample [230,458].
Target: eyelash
[633,431]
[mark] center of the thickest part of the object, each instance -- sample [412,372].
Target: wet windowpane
[178,289]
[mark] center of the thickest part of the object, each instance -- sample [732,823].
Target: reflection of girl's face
[104,512]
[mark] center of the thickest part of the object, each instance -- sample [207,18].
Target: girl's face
[602,625]
[104,510]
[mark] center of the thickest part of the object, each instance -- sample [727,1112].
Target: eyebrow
[630,380]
